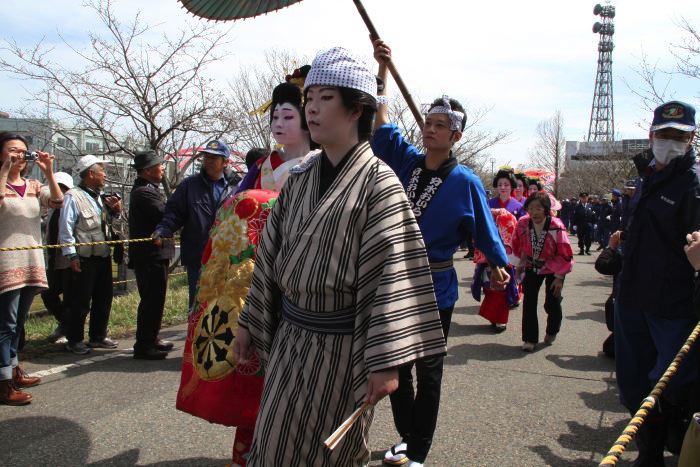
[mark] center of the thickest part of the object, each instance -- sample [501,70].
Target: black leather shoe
[165,346]
[151,354]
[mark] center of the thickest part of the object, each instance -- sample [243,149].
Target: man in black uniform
[582,220]
[150,262]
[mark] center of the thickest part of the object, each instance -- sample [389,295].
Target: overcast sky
[522,59]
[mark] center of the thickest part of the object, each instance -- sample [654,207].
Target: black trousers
[585,237]
[552,306]
[416,413]
[152,283]
[59,283]
[91,292]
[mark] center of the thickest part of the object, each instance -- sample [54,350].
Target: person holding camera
[22,272]
[85,217]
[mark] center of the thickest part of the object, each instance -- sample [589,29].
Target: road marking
[95,359]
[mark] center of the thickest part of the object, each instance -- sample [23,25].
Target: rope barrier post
[621,443]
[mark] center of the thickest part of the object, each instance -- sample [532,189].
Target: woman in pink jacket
[541,243]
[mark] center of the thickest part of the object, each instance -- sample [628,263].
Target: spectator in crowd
[616,214]
[85,217]
[542,246]
[22,272]
[692,251]
[149,261]
[609,263]
[582,219]
[254,155]
[603,220]
[567,210]
[56,297]
[193,205]
[627,194]
[654,311]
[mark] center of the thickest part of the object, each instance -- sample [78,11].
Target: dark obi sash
[324,322]
[441,266]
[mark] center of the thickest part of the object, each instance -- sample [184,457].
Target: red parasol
[231,10]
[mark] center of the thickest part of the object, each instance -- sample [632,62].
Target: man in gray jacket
[85,218]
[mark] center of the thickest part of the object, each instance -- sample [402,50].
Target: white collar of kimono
[339,67]
[456,117]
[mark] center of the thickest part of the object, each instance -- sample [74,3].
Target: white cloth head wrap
[339,67]
[456,117]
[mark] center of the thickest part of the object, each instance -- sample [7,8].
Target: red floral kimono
[497,303]
[212,385]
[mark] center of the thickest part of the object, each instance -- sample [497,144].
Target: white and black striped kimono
[341,287]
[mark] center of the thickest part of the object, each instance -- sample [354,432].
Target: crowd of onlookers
[76,282]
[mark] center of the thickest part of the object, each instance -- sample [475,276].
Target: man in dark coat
[616,215]
[582,219]
[654,312]
[193,208]
[149,261]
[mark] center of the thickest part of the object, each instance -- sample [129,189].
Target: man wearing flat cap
[148,260]
[193,207]
[654,312]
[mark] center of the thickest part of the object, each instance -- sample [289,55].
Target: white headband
[339,67]
[456,117]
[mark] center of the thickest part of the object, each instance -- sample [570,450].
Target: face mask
[665,150]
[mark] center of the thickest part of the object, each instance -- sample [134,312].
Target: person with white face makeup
[288,127]
[654,311]
[504,183]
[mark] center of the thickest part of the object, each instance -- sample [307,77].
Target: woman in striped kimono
[341,293]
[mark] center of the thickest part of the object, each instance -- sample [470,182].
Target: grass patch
[122,319]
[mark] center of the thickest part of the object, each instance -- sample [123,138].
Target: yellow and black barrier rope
[64,245]
[134,280]
[648,404]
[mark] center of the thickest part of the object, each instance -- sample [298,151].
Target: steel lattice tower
[602,125]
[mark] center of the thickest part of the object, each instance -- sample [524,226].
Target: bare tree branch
[549,150]
[129,92]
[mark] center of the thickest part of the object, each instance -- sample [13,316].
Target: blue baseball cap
[217,148]
[674,114]
[617,193]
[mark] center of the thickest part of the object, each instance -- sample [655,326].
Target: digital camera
[31,156]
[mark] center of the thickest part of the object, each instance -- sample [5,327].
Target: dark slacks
[552,306]
[91,292]
[416,413]
[59,283]
[584,232]
[645,344]
[152,284]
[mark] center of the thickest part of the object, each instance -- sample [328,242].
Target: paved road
[500,406]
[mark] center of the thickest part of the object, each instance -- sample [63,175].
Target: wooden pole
[392,69]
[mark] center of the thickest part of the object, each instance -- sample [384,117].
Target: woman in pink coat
[541,243]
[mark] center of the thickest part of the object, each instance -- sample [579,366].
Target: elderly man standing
[150,262]
[654,307]
[193,208]
[85,218]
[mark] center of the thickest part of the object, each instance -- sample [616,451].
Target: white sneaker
[397,455]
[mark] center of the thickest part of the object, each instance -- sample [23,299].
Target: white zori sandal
[397,455]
